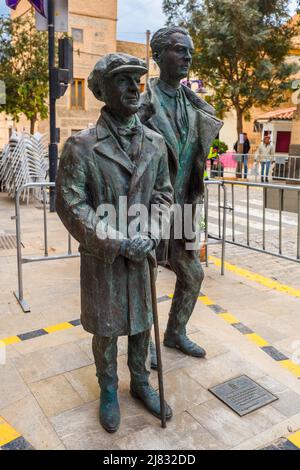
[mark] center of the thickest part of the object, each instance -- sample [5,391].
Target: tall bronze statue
[188,125]
[118,160]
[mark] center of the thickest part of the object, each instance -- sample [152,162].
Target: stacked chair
[23,160]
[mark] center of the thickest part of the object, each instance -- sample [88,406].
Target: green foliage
[24,68]
[222,146]
[241,50]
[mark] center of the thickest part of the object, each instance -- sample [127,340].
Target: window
[77,34]
[77,94]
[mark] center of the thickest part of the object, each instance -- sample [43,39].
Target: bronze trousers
[189,272]
[105,350]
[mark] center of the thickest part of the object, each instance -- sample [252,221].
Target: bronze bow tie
[128,132]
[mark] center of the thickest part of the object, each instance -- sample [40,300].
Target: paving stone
[12,386]
[92,435]
[263,419]
[272,385]
[209,373]
[55,395]
[51,361]
[208,342]
[182,432]
[182,392]
[85,382]
[288,403]
[27,417]
[222,423]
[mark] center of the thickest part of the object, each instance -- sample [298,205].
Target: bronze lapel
[160,122]
[108,146]
[148,151]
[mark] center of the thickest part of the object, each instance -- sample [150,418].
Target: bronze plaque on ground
[243,395]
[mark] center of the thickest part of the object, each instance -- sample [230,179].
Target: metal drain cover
[243,395]
[7,242]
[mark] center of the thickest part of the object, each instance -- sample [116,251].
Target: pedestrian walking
[265,156]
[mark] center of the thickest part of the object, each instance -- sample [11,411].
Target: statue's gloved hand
[136,249]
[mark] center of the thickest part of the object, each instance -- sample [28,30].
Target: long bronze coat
[94,170]
[186,167]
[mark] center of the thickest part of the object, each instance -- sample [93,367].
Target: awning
[284,114]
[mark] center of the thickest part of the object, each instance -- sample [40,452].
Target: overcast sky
[135,17]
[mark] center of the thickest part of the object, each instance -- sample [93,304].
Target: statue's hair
[161,39]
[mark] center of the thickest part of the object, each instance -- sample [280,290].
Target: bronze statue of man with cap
[118,160]
[188,125]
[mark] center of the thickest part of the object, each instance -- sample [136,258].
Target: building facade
[94,35]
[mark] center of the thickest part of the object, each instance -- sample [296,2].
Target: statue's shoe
[185,345]
[150,398]
[153,356]
[109,411]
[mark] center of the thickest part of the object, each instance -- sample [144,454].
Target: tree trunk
[32,124]
[239,128]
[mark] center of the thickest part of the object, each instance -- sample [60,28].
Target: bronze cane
[157,343]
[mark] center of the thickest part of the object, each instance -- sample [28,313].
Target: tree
[241,50]
[24,68]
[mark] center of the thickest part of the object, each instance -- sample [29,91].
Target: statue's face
[122,93]
[175,61]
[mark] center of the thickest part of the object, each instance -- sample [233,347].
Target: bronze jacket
[203,128]
[94,170]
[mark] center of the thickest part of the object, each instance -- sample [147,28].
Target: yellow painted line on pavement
[11,340]
[291,367]
[40,332]
[7,433]
[206,300]
[231,319]
[257,340]
[252,276]
[58,327]
[295,439]
[10,439]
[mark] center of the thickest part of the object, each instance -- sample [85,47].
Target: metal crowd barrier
[25,260]
[230,166]
[280,203]
[222,220]
[209,239]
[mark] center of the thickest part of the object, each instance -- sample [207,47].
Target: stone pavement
[48,389]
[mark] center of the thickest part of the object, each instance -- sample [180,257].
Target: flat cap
[112,64]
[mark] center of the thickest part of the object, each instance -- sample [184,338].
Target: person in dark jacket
[244,157]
